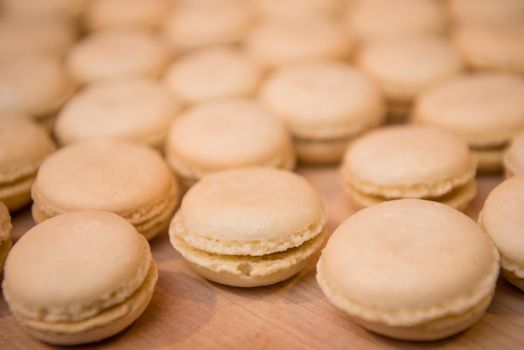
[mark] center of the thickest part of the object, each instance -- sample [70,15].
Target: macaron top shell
[408,261]
[138,109]
[23,146]
[296,7]
[409,158]
[111,175]
[74,265]
[503,221]
[483,108]
[514,157]
[5,223]
[323,99]
[250,204]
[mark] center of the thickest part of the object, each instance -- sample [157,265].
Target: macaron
[501,219]
[225,134]
[277,41]
[375,19]
[196,23]
[410,269]
[5,234]
[117,53]
[79,277]
[492,47]
[34,84]
[485,109]
[409,162]
[70,9]
[296,7]
[125,178]
[243,227]
[486,11]
[24,35]
[514,156]
[325,104]
[23,147]
[406,66]
[109,14]
[212,73]
[137,109]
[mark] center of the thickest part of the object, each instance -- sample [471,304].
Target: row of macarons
[410,269]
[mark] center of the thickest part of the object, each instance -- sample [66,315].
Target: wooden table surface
[188,312]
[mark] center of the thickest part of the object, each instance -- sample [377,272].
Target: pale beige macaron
[109,14]
[325,104]
[406,66]
[410,269]
[5,235]
[136,109]
[296,7]
[24,35]
[492,47]
[197,23]
[33,84]
[79,277]
[125,178]
[243,227]
[501,219]
[23,147]
[409,162]
[485,109]
[486,11]
[281,40]
[227,134]
[211,73]
[514,156]
[117,53]
[375,19]
[70,9]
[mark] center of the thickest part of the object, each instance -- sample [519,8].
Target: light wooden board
[188,312]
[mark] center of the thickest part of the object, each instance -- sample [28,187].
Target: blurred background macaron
[244,227]
[226,134]
[68,9]
[410,269]
[79,277]
[486,11]
[125,178]
[514,156]
[271,8]
[5,234]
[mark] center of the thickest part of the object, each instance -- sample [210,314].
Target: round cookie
[325,105]
[501,219]
[212,73]
[227,134]
[404,67]
[514,156]
[296,7]
[23,147]
[409,162]
[5,235]
[278,41]
[485,109]
[410,269]
[243,227]
[79,277]
[117,53]
[125,178]
[109,14]
[70,9]
[136,109]
[486,11]
[197,23]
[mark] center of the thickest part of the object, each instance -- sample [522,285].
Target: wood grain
[188,312]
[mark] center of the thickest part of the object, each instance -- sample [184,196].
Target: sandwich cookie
[5,234]
[409,162]
[227,134]
[486,11]
[125,178]
[325,104]
[277,41]
[485,109]
[273,8]
[117,53]
[404,67]
[501,219]
[23,147]
[79,277]
[136,109]
[410,269]
[243,227]
[212,73]
[69,9]
[514,157]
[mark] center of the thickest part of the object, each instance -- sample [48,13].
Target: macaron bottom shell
[17,194]
[321,151]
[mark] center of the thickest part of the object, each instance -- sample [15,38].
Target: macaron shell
[5,234]
[296,7]
[320,151]
[61,8]
[514,157]
[486,11]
